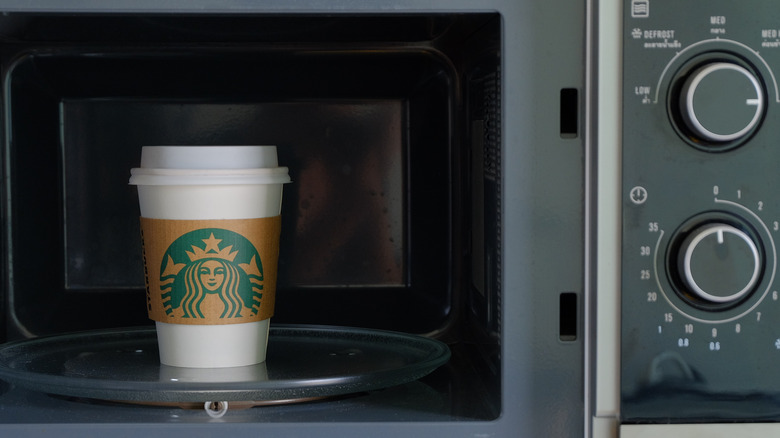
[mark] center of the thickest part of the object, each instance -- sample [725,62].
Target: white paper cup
[183,184]
[250,373]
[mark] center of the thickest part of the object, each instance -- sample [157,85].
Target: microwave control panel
[700,298]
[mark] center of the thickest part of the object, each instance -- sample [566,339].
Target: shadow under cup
[210,221]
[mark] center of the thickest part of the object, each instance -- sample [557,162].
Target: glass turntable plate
[303,362]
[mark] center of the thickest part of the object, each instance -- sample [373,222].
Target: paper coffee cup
[210,223]
[250,373]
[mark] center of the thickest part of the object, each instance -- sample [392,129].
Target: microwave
[438,154]
[575,199]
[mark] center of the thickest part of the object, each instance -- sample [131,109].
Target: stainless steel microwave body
[438,152]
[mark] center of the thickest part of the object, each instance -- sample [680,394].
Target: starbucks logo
[211,262]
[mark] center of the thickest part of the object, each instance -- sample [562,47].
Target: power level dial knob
[721,102]
[719,263]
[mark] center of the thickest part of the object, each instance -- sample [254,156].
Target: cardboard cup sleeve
[210,272]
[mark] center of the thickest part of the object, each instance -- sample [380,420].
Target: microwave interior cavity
[389,124]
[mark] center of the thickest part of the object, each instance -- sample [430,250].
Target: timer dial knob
[719,263]
[721,102]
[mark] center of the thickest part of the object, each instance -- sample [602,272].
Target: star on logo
[211,250]
[212,243]
[777,344]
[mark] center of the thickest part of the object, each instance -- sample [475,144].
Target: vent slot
[569,113]
[567,321]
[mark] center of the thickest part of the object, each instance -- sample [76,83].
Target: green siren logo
[208,262]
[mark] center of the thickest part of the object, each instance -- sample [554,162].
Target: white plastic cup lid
[195,165]
[208,157]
